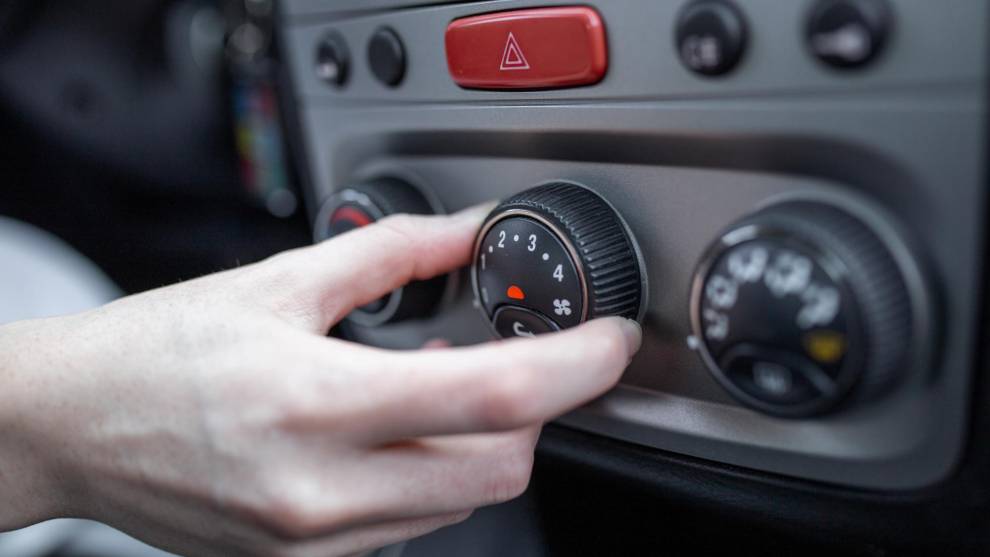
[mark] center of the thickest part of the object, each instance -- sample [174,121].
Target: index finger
[498,386]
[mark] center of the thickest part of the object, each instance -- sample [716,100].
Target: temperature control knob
[362,204]
[798,304]
[555,256]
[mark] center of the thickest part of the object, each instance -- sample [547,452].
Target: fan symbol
[562,307]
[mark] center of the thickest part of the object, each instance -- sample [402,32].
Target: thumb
[360,266]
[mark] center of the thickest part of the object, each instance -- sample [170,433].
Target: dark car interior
[789,196]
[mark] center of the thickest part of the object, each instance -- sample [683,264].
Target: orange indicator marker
[515,293]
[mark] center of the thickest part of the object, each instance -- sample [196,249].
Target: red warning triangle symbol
[513,57]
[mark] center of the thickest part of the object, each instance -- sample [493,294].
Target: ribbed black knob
[798,304]
[361,204]
[552,257]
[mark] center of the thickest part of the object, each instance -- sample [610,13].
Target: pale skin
[214,417]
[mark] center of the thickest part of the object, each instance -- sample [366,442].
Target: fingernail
[633,333]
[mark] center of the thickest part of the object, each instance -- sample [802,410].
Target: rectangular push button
[539,48]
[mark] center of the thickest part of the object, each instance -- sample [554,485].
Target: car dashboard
[803,189]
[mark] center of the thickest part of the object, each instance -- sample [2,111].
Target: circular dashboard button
[523,262]
[387,57]
[332,60]
[800,303]
[516,321]
[560,252]
[848,33]
[362,204]
[348,217]
[711,36]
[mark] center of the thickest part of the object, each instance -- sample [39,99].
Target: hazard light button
[540,48]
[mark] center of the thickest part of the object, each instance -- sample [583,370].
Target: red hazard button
[539,48]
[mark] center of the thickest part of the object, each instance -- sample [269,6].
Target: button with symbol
[539,48]
[774,379]
[562,307]
[848,33]
[515,321]
[513,57]
[711,36]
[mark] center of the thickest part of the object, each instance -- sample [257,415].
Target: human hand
[214,417]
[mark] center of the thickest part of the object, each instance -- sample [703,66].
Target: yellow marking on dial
[825,347]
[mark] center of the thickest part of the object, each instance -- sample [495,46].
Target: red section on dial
[515,293]
[528,49]
[352,215]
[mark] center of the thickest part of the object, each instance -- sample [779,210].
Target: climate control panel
[789,196]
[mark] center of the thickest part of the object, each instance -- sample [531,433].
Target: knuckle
[296,409]
[458,518]
[401,235]
[287,514]
[402,226]
[512,477]
[287,520]
[510,400]
[608,349]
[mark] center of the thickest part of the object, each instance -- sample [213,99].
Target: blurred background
[147,134]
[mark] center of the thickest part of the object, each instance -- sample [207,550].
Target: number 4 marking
[558,273]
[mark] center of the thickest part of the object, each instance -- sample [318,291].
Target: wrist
[32,482]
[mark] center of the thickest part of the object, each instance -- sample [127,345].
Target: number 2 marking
[558,273]
[501,238]
[532,242]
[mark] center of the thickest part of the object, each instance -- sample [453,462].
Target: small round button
[362,204]
[332,60]
[711,36]
[515,321]
[348,217]
[848,33]
[387,57]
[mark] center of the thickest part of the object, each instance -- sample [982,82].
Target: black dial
[798,304]
[362,204]
[553,257]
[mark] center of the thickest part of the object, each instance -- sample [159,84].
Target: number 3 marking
[532,242]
